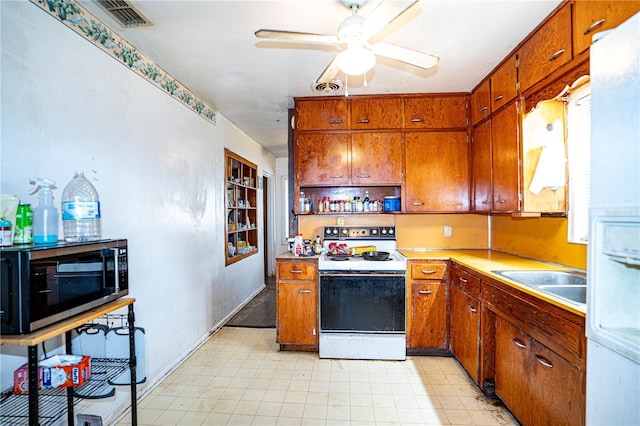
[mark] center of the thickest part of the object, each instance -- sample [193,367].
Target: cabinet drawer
[470,284]
[292,270]
[377,113]
[428,270]
[547,50]
[327,114]
[429,112]
[556,332]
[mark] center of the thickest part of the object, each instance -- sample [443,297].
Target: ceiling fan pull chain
[365,79]
[346,85]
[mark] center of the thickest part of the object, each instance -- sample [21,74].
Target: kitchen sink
[573,293]
[548,278]
[568,285]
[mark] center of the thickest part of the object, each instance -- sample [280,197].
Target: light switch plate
[447,231]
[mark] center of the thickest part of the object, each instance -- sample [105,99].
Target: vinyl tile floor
[238,377]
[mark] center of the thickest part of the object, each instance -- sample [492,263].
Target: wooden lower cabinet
[427,305]
[539,386]
[465,326]
[297,303]
[465,320]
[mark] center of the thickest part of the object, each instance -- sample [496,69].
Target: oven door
[362,302]
[362,315]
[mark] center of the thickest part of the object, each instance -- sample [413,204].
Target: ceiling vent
[334,86]
[124,13]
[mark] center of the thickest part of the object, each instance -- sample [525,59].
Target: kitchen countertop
[290,256]
[484,261]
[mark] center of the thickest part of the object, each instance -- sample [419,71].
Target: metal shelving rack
[47,407]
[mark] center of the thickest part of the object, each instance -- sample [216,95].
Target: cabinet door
[322,159]
[297,313]
[376,113]
[325,114]
[591,17]
[465,331]
[376,158]
[428,315]
[435,112]
[513,383]
[437,172]
[480,102]
[481,167]
[505,160]
[547,50]
[559,388]
[503,84]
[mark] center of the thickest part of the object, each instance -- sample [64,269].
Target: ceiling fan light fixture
[356,60]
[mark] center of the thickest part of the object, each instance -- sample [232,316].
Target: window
[579,146]
[241,203]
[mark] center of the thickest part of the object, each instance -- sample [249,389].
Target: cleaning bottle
[45,215]
[298,245]
[80,210]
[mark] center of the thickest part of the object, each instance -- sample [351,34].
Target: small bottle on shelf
[365,203]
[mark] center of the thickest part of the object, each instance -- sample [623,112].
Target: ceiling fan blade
[296,36]
[403,54]
[329,73]
[384,14]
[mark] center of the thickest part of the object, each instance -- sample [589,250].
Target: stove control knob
[335,231]
[390,231]
[327,231]
[384,231]
[345,232]
[374,231]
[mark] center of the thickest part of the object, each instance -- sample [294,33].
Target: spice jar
[6,239]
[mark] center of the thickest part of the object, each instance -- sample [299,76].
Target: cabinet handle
[555,55]
[296,271]
[427,271]
[336,177]
[472,309]
[497,98]
[305,291]
[45,291]
[486,202]
[593,26]
[519,343]
[463,280]
[335,121]
[501,201]
[425,291]
[417,203]
[483,110]
[363,176]
[544,361]
[363,121]
[416,120]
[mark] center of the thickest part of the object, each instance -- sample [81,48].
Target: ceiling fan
[354,33]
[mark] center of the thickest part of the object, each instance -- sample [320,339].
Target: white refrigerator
[613,270]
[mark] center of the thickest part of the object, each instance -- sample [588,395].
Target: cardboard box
[58,371]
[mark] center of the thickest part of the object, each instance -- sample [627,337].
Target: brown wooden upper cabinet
[504,83]
[376,113]
[436,112]
[505,145]
[437,172]
[376,158]
[590,17]
[482,170]
[326,114]
[481,102]
[547,50]
[322,158]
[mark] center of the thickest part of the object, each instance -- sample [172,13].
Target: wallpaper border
[74,16]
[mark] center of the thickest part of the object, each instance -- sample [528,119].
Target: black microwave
[45,284]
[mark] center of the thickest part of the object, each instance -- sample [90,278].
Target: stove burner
[338,258]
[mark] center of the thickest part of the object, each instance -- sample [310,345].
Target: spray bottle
[45,215]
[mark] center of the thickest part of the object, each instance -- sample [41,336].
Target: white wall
[66,105]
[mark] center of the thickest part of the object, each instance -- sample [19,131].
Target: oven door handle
[362,274]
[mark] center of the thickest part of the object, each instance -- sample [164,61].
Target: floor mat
[260,312]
